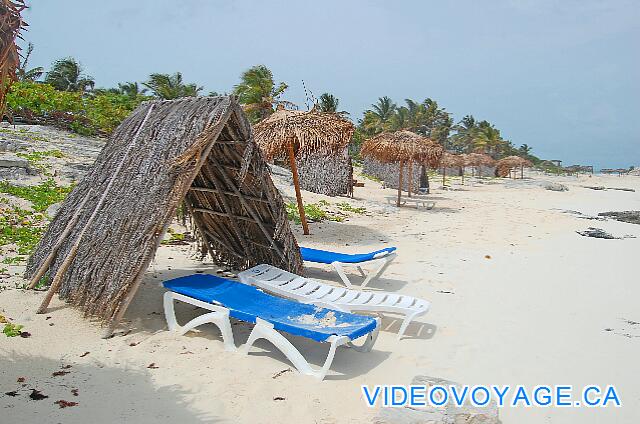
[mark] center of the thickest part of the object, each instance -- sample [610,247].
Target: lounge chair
[226,298]
[381,258]
[292,286]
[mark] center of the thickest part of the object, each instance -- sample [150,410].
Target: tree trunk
[296,184]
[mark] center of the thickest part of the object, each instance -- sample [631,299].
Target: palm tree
[24,74]
[328,103]
[169,87]
[377,119]
[130,89]
[258,92]
[466,129]
[66,75]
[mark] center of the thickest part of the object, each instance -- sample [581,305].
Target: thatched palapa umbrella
[476,160]
[505,165]
[402,146]
[450,160]
[296,133]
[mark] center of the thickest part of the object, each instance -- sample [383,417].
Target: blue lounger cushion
[247,302]
[326,257]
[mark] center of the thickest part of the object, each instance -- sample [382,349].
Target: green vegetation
[35,158]
[13,260]
[12,330]
[170,87]
[259,93]
[313,212]
[21,227]
[41,196]
[66,75]
[174,238]
[346,207]
[99,113]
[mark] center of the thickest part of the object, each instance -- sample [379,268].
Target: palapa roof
[309,131]
[195,151]
[400,146]
[450,160]
[478,159]
[504,165]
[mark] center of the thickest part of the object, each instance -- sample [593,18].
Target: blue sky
[561,76]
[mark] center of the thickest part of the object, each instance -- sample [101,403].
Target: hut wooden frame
[195,152]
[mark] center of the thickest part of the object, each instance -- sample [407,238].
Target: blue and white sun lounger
[380,258]
[226,298]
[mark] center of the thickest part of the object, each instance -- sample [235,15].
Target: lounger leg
[405,323]
[341,273]
[362,273]
[265,330]
[373,274]
[219,318]
[370,340]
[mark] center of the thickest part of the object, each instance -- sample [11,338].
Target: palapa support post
[296,184]
[462,173]
[522,172]
[410,183]
[400,184]
[444,175]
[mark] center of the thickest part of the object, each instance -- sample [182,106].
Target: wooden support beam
[228,215]
[296,184]
[228,193]
[250,210]
[400,184]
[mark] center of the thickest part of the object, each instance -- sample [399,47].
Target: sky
[560,76]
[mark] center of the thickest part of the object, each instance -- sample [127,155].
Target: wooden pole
[522,172]
[410,177]
[462,172]
[296,184]
[45,265]
[444,175]
[400,184]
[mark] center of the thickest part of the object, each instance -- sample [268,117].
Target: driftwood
[196,150]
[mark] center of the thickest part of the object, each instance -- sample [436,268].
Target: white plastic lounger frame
[380,262]
[219,316]
[305,290]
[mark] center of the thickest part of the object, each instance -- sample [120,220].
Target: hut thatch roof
[478,159]
[311,131]
[450,160]
[401,146]
[193,150]
[504,165]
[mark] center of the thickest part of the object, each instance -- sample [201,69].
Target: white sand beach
[518,297]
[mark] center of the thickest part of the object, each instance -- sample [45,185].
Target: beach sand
[518,297]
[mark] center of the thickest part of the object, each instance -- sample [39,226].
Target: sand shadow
[328,275]
[332,233]
[133,395]
[416,329]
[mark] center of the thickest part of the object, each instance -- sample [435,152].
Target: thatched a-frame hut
[307,138]
[505,165]
[402,147]
[193,151]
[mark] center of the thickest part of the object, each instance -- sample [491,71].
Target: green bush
[85,114]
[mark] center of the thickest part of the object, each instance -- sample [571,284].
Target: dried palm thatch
[450,160]
[323,173]
[478,159]
[199,151]
[505,165]
[308,132]
[11,24]
[297,134]
[402,146]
